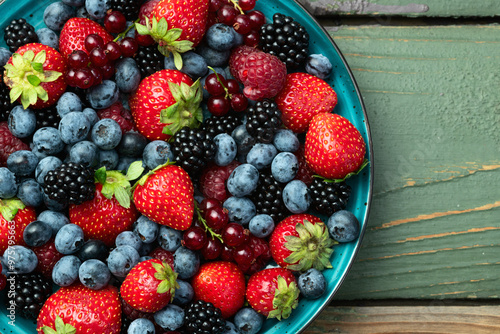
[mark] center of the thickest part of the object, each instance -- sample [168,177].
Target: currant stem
[204,222]
[122,34]
[237,6]
[227,95]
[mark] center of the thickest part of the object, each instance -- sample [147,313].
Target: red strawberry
[34,74]
[300,242]
[149,286]
[47,258]
[78,307]
[14,217]
[110,212]
[304,96]
[334,148]
[9,143]
[273,292]
[213,181]
[160,106]
[118,113]
[74,32]
[221,283]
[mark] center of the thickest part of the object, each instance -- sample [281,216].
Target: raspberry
[164,255]
[47,258]
[9,143]
[121,115]
[262,74]
[213,181]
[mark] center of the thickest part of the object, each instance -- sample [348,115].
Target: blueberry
[56,14]
[65,271]
[238,38]
[22,162]
[5,55]
[286,141]
[37,233]
[94,274]
[261,225]
[225,149]
[53,204]
[284,167]
[184,293]
[44,166]
[48,37]
[68,102]
[243,180]
[343,226]
[220,37]
[22,122]
[91,116]
[85,153]
[213,57]
[106,134]
[230,328]
[186,262]
[147,248]
[240,209]
[69,239]
[74,127]
[74,3]
[122,259]
[93,249]
[169,239]
[145,258]
[168,63]
[141,326]
[96,8]
[261,155]
[243,139]
[54,219]
[194,65]
[103,95]
[296,196]
[157,153]
[48,141]
[132,144]
[129,238]
[146,229]
[319,65]
[30,193]
[8,184]
[20,259]
[108,159]
[124,163]
[248,321]
[312,284]
[171,317]
[127,75]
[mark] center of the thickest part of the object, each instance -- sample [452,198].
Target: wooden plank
[432,100]
[411,8]
[407,319]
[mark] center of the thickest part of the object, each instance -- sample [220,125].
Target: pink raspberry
[121,115]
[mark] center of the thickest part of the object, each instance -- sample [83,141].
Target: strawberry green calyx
[61,328]
[9,208]
[168,39]
[114,184]
[285,299]
[168,278]
[186,111]
[25,75]
[363,165]
[311,249]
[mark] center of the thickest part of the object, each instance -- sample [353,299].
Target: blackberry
[268,197]
[149,60]
[193,149]
[70,183]
[287,39]
[221,124]
[5,105]
[47,117]
[329,197]
[203,318]
[129,8]
[263,119]
[18,33]
[29,293]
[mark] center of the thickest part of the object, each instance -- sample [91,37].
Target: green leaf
[187,92]
[17,60]
[37,66]
[177,60]
[40,57]
[33,80]
[50,76]
[164,50]
[42,93]
[173,34]
[163,287]
[158,267]
[175,90]
[59,324]
[141,29]
[100,175]
[48,330]
[135,170]
[70,329]
[15,93]
[123,197]
[161,28]
[182,45]
[154,25]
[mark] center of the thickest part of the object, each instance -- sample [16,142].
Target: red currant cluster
[224,95]
[240,15]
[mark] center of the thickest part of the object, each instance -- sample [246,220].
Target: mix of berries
[158,158]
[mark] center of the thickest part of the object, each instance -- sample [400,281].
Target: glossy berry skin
[343,226]
[195,238]
[93,249]
[75,31]
[312,284]
[69,239]
[240,209]
[122,259]
[296,196]
[37,233]
[94,274]
[243,180]
[247,320]
[65,271]
[319,65]
[186,262]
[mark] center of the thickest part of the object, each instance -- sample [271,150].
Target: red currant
[242,24]
[93,41]
[226,14]
[78,59]
[212,249]
[112,50]
[209,203]
[107,71]
[233,87]
[129,46]
[70,77]
[217,217]
[84,78]
[194,238]
[214,5]
[144,40]
[98,57]
[239,102]
[243,255]
[247,4]
[218,105]
[257,19]
[227,253]
[115,22]
[214,86]
[96,73]
[252,38]
[234,234]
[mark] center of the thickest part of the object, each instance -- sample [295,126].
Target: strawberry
[304,96]
[9,143]
[221,283]
[110,212]
[300,242]
[149,286]
[47,258]
[165,102]
[34,74]
[213,181]
[334,148]
[14,217]
[78,309]
[273,292]
[74,32]
[166,196]
[120,114]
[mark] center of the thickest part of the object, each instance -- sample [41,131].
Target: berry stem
[237,6]
[220,81]
[204,222]
[124,33]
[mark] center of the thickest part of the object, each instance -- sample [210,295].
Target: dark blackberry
[285,38]
[263,119]
[328,197]
[129,8]
[149,60]
[203,318]
[47,117]
[5,105]
[221,124]
[29,293]
[18,33]
[193,149]
[268,197]
[70,183]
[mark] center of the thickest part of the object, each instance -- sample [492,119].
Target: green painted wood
[379,8]
[431,95]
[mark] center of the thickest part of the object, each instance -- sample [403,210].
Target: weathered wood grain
[408,319]
[432,99]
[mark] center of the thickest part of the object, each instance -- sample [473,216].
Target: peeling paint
[323,7]
[445,234]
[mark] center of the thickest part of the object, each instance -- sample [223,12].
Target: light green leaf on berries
[123,197]
[37,66]
[114,185]
[33,79]
[39,58]
[286,298]
[168,278]
[176,91]
[9,207]
[61,327]
[135,170]
[15,93]
[100,175]
[173,34]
